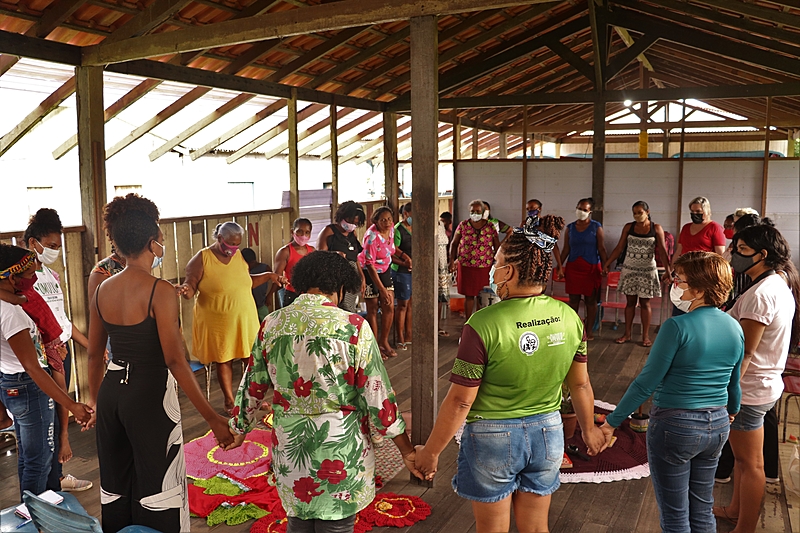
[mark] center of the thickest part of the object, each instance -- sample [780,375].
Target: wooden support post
[475,143]
[599,160]
[425,165]
[765,175]
[644,83]
[503,146]
[456,136]
[92,177]
[665,142]
[390,177]
[680,166]
[524,159]
[294,176]
[790,144]
[334,161]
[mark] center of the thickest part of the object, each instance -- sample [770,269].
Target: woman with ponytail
[506,384]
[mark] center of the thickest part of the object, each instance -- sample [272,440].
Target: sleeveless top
[348,245]
[403,244]
[139,343]
[584,243]
[294,257]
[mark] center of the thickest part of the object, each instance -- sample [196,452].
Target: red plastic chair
[612,282]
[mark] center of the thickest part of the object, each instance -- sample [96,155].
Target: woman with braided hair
[506,384]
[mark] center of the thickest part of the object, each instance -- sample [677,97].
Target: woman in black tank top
[341,237]
[137,411]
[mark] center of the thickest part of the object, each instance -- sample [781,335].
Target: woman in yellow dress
[225,315]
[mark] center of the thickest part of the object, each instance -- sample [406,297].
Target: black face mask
[697,218]
[742,263]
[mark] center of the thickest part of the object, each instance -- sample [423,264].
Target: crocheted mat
[205,459]
[627,459]
[388,461]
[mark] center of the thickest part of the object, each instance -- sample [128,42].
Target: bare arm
[95,279]
[615,253]
[580,389]
[194,273]
[753,331]
[79,337]
[452,414]
[496,243]
[557,257]
[601,246]
[165,308]
[22,346]
[661,245]
[322,240]
[565,249]
[454,247]
[719,249]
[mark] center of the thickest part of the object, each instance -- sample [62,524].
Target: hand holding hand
[608,432]
[595,440]
[83,413]
[238,440]
[409,460]
[185,290]
[560,273]
[386,298]
[426,463]
[222,432]
[666,277]
[278,279]
[451,267]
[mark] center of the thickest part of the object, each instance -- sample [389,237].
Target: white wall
[559,184]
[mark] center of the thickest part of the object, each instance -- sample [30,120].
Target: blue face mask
[408,221]
[494,286]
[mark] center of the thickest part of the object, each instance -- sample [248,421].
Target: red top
[294,257]
[706,239]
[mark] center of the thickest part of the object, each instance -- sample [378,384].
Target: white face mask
[476,217]
[486,215]
[156,259]
[675,294]
[582,215]
[48,255]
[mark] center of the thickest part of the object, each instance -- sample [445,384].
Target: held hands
[278,279]
[426,463]
[451,267]
[595,440]
[222,432]
[608,432]
[185,290]
[83,414]
[236,440]
[409,460]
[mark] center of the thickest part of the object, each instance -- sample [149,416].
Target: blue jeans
[683,451]
[33,414]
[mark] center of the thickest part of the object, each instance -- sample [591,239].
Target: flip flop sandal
[621,340]
[402,345]
[722,512]
[443,333]
[647,343]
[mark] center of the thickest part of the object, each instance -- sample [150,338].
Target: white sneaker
[722,480]
[773,480]
[71,484]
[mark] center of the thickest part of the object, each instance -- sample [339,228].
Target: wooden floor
[624,506]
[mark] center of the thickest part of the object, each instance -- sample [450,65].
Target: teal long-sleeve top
[694,364]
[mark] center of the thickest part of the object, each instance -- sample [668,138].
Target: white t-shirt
[769,302]
[13,320]
[48,286]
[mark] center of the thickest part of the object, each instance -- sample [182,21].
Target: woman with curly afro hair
[328,382]
[139,432]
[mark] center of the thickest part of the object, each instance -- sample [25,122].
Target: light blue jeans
[683,451]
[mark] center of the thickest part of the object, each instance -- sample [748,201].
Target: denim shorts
[402,285]
[750,417]
[498,457]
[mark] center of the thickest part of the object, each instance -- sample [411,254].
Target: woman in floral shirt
[376,261]
[473,247]
[329,381]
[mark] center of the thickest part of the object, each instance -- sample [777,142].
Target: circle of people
[715,366]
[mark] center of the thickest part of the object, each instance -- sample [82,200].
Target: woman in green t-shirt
[506,384]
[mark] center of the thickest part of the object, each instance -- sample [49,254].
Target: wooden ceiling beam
[705,41]
[636,50]
[272,133]
[470,44]
[339,130]
[729,123]
[324,123]
[315,53]
[239,128]
[756,11]
[344,143]
[313,19]
[576,61]
[598,15]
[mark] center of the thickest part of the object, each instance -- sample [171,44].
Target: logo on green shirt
[528,343]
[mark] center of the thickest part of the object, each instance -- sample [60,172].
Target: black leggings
[345,525]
